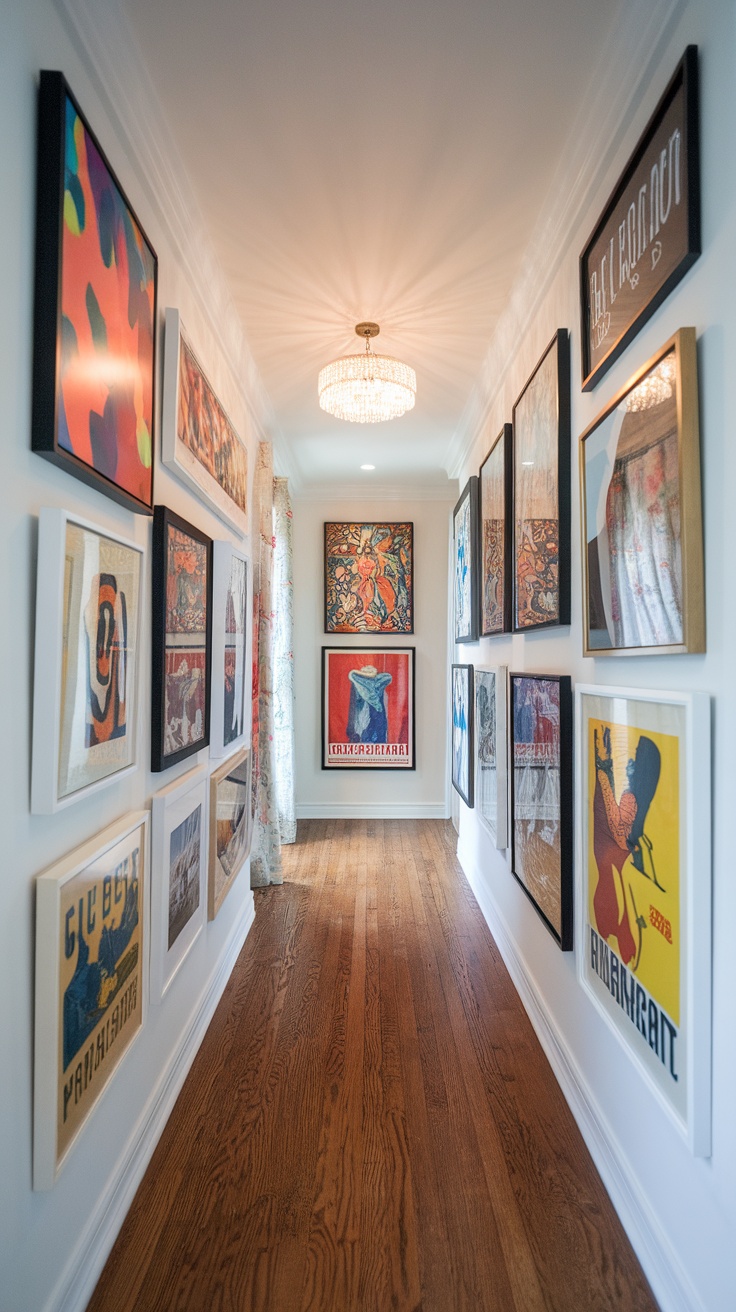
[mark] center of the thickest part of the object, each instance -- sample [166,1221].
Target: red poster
[368,708]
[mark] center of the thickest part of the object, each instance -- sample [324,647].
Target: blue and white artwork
[465,532]
[462,731]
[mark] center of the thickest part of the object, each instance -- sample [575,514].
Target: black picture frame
[194,654]
[104,409]
[633,222]
[343,750]
[463,754]
[541,542]
[553,905]
[496,619]
[465,541]
[332,553]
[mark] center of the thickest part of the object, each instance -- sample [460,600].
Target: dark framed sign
[541,797]
[495,536]
[181,639]
[465,538]
[369,578]
[648,235]
[463,759]
[541,483]
[94,344]
[368,708]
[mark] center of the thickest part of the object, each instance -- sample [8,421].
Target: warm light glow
[655,388]
[367,466]
[366,389]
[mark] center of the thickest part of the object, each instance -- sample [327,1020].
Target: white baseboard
[669,1281]
[386,811]
[77,1282]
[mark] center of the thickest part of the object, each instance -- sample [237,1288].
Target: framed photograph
[231,826]
[369,578]
[91,982]
[465,537]
[643,585]
[496,516]
[198,442]
[541,797]
[542,493]
[644,895]
[85,685]
[179,863]
[94,345]
[182,639]
[368,708]
[230,716]
[648,235]
[462,731]
[491,751]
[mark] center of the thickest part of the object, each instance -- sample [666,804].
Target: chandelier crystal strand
[368,388]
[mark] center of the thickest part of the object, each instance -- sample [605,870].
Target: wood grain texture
[370,1123]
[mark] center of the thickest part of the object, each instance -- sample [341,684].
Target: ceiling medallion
[367,388]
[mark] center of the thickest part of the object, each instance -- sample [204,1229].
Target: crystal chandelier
[655,387]
[368,388]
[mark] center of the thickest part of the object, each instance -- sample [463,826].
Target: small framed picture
[91,982]
[368,708]
[230,717]
[369,578]
[491,751]
[179,861]
[85,689]
[496,515]
[462,732]
[465,537]
[231,826]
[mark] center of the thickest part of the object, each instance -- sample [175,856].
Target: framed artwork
[368,708]
[462,731]
[542,493]
[541,796]
[231,826]
[644,896]
[85,687]
[94,346]
[369,578]
[91,982]
[179,862]
[648,235]
[198,442]
[230,674]
[495,536]
[643,586]
[465,538]
[182,639]
[491,751]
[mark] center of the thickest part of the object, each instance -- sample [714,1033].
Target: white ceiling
[381,160]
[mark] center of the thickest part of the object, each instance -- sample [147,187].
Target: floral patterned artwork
[368,578]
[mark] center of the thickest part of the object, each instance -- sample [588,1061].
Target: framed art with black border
[369,578]
[179,862]
[491,751]
[230,716]
[496,512]
[368,708]
[231,826]
[465,539]
[462,732]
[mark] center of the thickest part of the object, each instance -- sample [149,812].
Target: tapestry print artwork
[184,865]
[234,672]
[495,522]
[368,708]
[205,430]
[536,811]
[536,525]
[186,641]
[368,578]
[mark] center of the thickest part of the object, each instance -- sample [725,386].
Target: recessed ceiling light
[367,466]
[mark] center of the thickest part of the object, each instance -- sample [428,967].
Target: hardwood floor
[370,1123]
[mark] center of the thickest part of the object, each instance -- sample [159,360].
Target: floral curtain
[283,661]
[265,861]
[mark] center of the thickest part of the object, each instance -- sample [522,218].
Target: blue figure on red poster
[367,715]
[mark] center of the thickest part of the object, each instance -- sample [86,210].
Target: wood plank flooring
[370,1124]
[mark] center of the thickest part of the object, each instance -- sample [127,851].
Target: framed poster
[182,639]
[368,708]
[465,538]
[179,863]
[462,731]
[644,896]
[369,578]
[495,535]
[541,796]
[648,235]
[230,674]
[542,492]
[491,751]
[231,826]
[91,982]
[643,586]
[198,442]
[94,345]
[85,685]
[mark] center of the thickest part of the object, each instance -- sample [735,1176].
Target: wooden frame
[462,724]
[179,853]
[495,518]
[541,806]
[94,345]
[541,437]
[231,676]
[369,577]
[643,585]
[491,785]
[644,891]
[231,826]
[465,539]
[368,720]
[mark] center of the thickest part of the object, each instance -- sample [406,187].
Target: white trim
[386,811]
[412,491]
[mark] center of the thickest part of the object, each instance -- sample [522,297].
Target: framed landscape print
[182,639]
[368,708]
[198,441]
[94,350]
[231,826]
[230,715]
[495,536]
[91,982]
[85,689]
[541,796]
[465,538]
[179,864]
[644,896]
[491,751]
[643,585]
[541,423]
[369,578]
[462,731]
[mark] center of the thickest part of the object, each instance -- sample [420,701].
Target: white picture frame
[231,826]
[230,706]
[179,855]
[492,751]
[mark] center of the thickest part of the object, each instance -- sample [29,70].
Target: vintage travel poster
[185,854]
[368,708]
[369,578]
[536,798]
[186,641]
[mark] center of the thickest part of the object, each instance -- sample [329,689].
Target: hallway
[370,1122]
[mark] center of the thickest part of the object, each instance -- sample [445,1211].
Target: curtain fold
[265,861]
[283,661]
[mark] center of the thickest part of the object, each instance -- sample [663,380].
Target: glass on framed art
[462,731]
[495,536]
[230,680]
[369,578]
[368,708]
[491,751]
[179,857]
[231,826]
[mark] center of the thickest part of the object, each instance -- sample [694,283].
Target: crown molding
[373,492]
